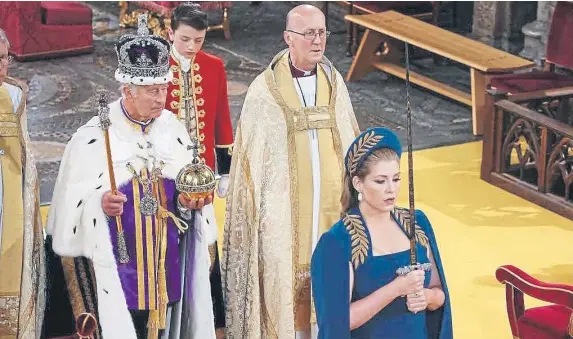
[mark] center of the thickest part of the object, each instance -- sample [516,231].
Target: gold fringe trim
[153,325]
[162,289]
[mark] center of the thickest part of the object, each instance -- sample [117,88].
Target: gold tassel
[153,325]
[163,298]
[180,223]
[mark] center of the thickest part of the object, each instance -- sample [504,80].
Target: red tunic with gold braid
[211,123]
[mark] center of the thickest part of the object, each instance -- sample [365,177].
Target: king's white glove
[223,186]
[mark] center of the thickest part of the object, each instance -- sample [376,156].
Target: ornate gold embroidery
[203,148]
[332,111]
[9,131]
[175,81]
[201,136]
[200,102]
[201,125]
[174,104]
[316,117]
[73,285]
[288,115]
[358,239]
[421,237]
[175,93]
[403,216]
[174,69]
[8,117]
[198,90]
[201,113]
[198,78]
[195,66]
[364,144]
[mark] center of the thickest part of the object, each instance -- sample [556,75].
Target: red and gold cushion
[547,322]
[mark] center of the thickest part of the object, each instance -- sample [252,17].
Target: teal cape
[348,242]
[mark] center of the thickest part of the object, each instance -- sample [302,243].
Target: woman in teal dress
[357,292]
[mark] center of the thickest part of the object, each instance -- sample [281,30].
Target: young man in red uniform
[209,118]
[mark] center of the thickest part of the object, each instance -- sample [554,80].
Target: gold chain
[154,175]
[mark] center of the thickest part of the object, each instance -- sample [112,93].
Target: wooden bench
[390,26]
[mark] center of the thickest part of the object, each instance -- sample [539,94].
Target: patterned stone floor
[63,91]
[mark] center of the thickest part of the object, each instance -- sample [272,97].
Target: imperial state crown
[143,59]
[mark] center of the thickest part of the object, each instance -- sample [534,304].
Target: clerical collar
[299,73]
[143,124]
[183,61]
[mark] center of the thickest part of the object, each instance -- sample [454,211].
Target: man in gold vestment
[22,276]
[285,184]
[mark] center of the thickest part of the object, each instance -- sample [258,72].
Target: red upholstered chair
[163,9]
[558,52]
[547,322]
[40,29]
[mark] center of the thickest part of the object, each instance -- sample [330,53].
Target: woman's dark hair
[349,198]
[189,14]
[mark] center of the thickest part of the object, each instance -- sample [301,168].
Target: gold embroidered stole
[13,208]
[322,118]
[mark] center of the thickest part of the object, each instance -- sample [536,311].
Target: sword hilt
[407,269]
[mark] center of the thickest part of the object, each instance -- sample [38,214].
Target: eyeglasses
[311,34]
[6,59]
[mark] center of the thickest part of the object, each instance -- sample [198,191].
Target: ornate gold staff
[411,220]
[103,113]
[196,180]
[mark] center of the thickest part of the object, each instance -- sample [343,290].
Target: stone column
[499,22]
[536,32]
[490,20]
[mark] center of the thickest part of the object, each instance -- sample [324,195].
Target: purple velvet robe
[139,279]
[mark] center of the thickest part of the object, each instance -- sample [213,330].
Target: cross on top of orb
[195,148]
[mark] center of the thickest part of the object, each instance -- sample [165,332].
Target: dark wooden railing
[528,149]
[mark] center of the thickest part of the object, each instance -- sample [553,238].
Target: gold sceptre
[103,113]
[196,180]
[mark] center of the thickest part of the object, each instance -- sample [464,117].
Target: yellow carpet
[480,227]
